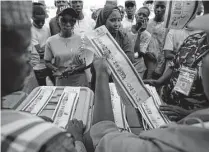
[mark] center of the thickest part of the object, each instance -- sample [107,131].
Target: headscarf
[104,14]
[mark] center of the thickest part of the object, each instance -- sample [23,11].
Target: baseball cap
[67,10]
[39,11]
[130,2]
[200,23]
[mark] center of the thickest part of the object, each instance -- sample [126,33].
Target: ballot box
[61,104]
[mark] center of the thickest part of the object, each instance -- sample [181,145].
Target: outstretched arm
[103,106]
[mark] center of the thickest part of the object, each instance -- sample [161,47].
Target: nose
[117,24]
[158,9]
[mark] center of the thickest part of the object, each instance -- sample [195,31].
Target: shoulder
[53,38]
[53,19]
[146,34]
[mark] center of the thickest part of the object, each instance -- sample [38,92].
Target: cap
[200,23]
[133,2]
[39,11]
[67,10]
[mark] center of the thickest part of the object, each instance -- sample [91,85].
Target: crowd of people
[30,48]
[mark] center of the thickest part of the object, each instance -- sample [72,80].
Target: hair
[144,7]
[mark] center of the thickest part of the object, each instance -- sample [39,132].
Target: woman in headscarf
[110,16]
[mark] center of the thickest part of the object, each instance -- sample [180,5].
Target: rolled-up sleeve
[107,138]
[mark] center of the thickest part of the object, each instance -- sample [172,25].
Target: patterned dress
[189,55]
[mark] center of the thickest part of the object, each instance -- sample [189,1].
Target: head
[113,22]
[201,23]
[142,14]
[130,7]
[16,37]
[122,11]
[39,15]
[77,5]
[159,9]
[60,3]
[67,19]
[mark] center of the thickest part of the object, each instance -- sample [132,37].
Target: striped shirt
[22,132]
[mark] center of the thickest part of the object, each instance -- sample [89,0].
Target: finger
[173,118]
[165,108]
[170,113]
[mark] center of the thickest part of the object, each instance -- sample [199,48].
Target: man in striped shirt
[20,131]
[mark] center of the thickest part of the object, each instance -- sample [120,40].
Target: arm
[50,66]
[166,76]
[103,106]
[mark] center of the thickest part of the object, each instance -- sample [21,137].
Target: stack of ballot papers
[150,110]
[130,85]
[118,109]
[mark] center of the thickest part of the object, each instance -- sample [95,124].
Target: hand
[152,82]
[58,73]
[174,113]
[76,128]
[68,71]
[141,26]
[101,66]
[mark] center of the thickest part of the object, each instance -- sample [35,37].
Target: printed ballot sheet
[150,110]
[40,100]
[118,108]
[179,13]
[66,107]
[124,74]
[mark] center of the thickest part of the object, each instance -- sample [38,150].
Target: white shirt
[84,25]
[40,36]
[127,23]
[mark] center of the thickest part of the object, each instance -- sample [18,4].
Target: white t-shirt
[175,38]
[40,36]
[84,25]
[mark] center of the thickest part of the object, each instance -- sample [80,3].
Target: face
[142,15]
[77,5]
[15,63]
[130,9]
[159,9]
[122,11]
[113,22]
[67,23]
[38,23]
[60,3]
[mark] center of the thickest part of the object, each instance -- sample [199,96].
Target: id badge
[185,80]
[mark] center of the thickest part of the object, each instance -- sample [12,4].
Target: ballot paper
[118,108]
[150,110]
[179,13]
[39,101]
[66,107]
[125,76]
